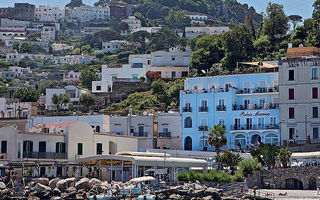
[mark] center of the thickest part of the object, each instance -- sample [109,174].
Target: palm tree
[284,156]
[217,137]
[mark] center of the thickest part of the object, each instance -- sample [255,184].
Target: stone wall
[275,178]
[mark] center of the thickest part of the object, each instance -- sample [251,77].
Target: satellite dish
[145,113]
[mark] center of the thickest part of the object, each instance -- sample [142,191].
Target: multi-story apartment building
[48,33]
[20,11]
[89,13]
[247,105]
[133,22]
[191,32]
[48,13]
[118,11]
[300,96]
[72,77]
[170,64]
[60,47]
[114,46]
[13,108]
[51,147]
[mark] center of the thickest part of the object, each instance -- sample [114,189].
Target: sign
[160,171]
[250,114]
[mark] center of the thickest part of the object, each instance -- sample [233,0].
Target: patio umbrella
[142,179]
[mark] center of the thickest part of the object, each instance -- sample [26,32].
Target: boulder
[105,183]
[62,185]
[212,192]
[71,181]
[56,198]
[42,188]
[94,181]
[83,184]
[2,186]
[53,183]
[56,192]
[33,198]
[174,196]
[71,189]
[43,181]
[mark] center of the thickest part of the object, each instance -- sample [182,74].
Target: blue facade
[246,104]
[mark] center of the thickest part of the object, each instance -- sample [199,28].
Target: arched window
[188,122]
[240,139]
[271,139]
[98,129]
[203,142]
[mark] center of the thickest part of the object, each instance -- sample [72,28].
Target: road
[290,194]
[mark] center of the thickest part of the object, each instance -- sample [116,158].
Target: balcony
[140,134]
[45,155]
[258,90]
[203,128]
[203,109]
[255,106]
[187,109]
[221,108]
[164,134]
[254,127]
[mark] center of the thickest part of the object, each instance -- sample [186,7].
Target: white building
[69,59]
[53,146]
[90,13]
[48,33]
[114,46]
[48,13]
[60,47]
[19,71]
[191,32]
[133,22]
[72,77]
[198,17]
[148,29]
[13,108]
[72,91]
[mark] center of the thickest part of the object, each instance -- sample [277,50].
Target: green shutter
[63,148]
[3,146]
[99,148]
[79,148]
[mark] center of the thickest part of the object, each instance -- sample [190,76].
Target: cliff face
[74,3]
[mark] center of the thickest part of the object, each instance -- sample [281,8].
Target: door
[249,123]
[188,144]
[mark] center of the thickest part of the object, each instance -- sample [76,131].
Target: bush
[212,176]
[249,166]
[183,176]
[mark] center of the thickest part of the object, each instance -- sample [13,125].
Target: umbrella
[142,179]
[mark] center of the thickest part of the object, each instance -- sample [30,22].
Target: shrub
[249,166]
[183,176]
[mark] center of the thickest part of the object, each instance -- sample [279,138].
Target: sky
[300,7]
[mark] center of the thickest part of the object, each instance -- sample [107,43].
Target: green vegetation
[27,94]
[60,100]
[86,78]
[87,100]
[249,166]
[229,160]
[212,175]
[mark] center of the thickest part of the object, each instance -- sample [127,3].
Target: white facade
[70,59]
[60,46]
[14,23]
[133,22]
[169,131]
[191,32]
[47,13]
[20,71]
[72,77]
[89,13]
[48,33]
[198,17]
[114,46]
[12,108]
[148,29]
[72,91]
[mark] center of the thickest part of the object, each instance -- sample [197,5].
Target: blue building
[246,104]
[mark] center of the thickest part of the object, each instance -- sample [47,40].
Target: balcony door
[141,130]
[249,123]
[42,146]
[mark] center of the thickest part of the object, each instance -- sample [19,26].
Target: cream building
[48,13]
[90,13]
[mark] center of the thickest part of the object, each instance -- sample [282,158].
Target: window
[204,103]
[315,112]
[173,58]
[99,148]
[114,77]
[273,120]
[314,73]
[271,139]
[141,130]
[221,102]
[315,132]
[3,146]
[60,147]
[98,129]
[135,77]
[237,123]
[188,122]
[187,104]
[80,149]
[262,101]
[291,113]
[260,122]
[240,139]
[173,74]
[204,122]
[221,122]
[262,84]
[291,75]
[203,142]
[291,133]
[246,103]
[314,93]
[98,88]
[291,93]
[42,146]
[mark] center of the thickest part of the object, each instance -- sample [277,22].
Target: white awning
[305,155]
[142,179]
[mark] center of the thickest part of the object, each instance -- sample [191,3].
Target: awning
[306,155]
[142,179]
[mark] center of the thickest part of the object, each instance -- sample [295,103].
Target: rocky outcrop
[83,184]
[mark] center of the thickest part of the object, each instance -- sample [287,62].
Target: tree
[27,94]
[87,100]
[75,3]
[284,156]
[229,159]
[208,51]
[276,22]
[177,19]
[86,49]
[266,154]
[249,166]
[316,11]
[295,19]
[25,48]
[217,137]
[140,37]
[60,100]
[165,39]
[86,78]
[16,46]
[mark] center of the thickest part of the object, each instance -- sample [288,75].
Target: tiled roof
[54,124]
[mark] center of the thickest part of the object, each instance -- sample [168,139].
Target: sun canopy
[142,179]
[306,155]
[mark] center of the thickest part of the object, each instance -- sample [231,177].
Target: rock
[33,198]
[105,183]
[26,192]
[83,184]
[53,183]
[79,196]
[2,186]
[43,181]
[190,191]
[212,192]
[198,187]
[62,185]
[42,188]
[94,182]
[6,192]
[56,198]
[56,192]
[71,195]
[71,181]
[174,196]
[182,192]
[71,189]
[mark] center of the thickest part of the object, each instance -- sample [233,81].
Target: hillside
[222,12]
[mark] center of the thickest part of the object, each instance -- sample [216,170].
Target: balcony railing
[254,127]
[258,90]
[187,109]
[203,109]
[221,108]
[255,106]
[45,155]
[165,134]
[140,134]
[203,128]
